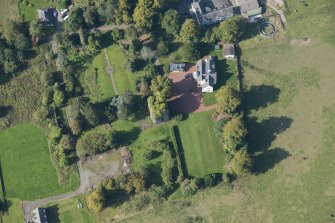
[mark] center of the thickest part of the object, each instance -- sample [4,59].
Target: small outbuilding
[177,67]
[229,51]
[39,215]
[47,15]
[249,8]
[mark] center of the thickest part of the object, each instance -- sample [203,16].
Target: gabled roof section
[205,73]
[249,5]
[176,67]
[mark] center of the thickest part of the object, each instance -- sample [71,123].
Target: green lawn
[124,80]
[28,7]
[161,132]
[15,213]
[26,164]
[127,131]
[66,211]
[202,150]
[97,81]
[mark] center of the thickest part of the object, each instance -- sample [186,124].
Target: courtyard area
[187,96]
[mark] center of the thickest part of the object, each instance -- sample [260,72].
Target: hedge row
[177,149]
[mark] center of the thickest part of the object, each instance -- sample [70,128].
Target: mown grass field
[100,86]
[26,164]
[202,150]
[124,80]
[141,144]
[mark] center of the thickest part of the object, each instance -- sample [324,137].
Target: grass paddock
[26,164]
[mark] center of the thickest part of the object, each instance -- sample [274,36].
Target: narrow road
[111,27]
[85,186]
[109,70]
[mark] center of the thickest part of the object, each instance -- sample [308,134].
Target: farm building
[249,8]
[39,215]
[229,51]
[205,74]
[209,12]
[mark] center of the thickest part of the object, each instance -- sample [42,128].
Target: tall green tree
[189,52]
[96,200]
[36,31]
[161,88]
[143,14]
[241,163]
[171,22]
[21,42]
[190,32]
[234,133]
[227,99]
[232,29]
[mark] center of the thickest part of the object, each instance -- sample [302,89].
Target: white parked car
[66,17]
[64,11]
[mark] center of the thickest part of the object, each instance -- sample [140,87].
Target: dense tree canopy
[189,52]
[96,200]
[190,32]
[171,22]
[143,14]
[95,141]
[227,99]
[234,133]
[232,29]
[241,163]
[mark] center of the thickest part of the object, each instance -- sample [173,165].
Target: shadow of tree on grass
[261,96]
[268,159]
[53,214]
[262,134]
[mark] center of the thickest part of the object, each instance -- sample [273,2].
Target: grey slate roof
[211,11]
[247,5]
[46,15]
[39,216]
[175,67]
[229,49]
[205,73]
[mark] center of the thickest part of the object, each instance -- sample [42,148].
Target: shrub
[218,127]
[148,155]
[134,182]
[117,34]
[189,52]
[76,124]
[162,48]
[241,163]
[96,200]
[95,142]
[189,186]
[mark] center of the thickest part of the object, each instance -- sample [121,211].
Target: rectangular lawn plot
[124,80]
[202,150]
[26,164]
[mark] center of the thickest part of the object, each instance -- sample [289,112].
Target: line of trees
[231,131]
